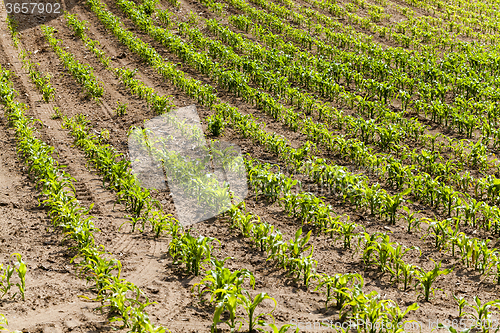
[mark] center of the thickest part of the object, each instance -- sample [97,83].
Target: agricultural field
[367,133]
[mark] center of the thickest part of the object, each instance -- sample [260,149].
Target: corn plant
[378,253]
[220,281]
[121,109]
[426,279]
[345,231]
[115,297]
[96,267]
[57,114]
[393,203]
[250,305]
[482,314]
[397,315]
[246,224]
[215,125]
[6,274]
[136,200]
[191,251]
[462,302]
[408,272]
[305,267]
[441,231]
[161,222]
[298,245]
[337,287]
[261,233]
[367,309]
[410,219]
[21,270]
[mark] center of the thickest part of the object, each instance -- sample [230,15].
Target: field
[368,130]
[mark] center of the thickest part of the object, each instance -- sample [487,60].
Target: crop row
[159,104]
[475,253]
[191,251]
[58,192]
[42,81]
[83,73]
[427,189]
[467,85]
[442,197]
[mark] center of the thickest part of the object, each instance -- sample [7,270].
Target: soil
[56,297]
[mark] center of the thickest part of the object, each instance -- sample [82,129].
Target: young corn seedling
[250,305]
[6,274]
[21,270]
[381,252]
[483,314]
[337,287]
[367,309]
[441,231]
[298,245]
[115,297]
[191,251]
[276,248]
[411,221]
[246,225]
[462,302]
[408,272]
[57,114]
[397,315]
[261,233]
[220,281]
[305,267]
[397,260]
[345,231]
[216,125]
[121,109]
[96,267]
[393,203]
[3,323]
[230,303]
[426,279]
[161,222]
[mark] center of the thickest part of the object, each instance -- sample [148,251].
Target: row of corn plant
[116,174]
[159,104]
[377,248]
[160,34]
[321,48]
[6,274]
[83,73]
[195,251]
[58,194]
[274,144]
[41,80]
